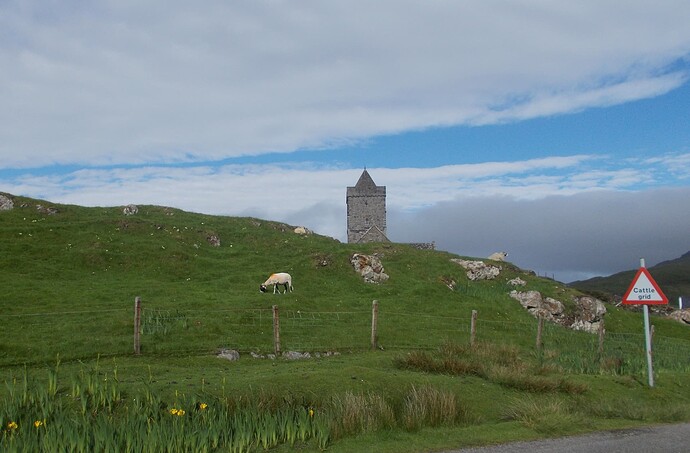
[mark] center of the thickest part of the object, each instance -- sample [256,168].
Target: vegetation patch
[71,279]
[95,414]
[429,406]
[546,416]
[501,364]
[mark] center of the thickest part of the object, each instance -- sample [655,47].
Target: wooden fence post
[276,331]
[473,328]
[137,325]
[374,324]
[540,328]
[602,332]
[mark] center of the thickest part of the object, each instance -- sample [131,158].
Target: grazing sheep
[498,256]
[279,279]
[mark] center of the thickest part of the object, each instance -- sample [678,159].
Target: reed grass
[358,413]
[94,414]
[505,365]
[542,415]
[428,406]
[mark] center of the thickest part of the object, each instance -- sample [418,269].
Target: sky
[557,132]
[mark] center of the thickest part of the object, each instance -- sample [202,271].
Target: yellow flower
[38,423]
[203,406]
[173,411]
[311,412]
[12,425]
[180,412]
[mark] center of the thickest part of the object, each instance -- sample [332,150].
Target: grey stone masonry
[423,245]
[366,211]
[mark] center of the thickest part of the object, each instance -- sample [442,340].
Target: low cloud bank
[566,237]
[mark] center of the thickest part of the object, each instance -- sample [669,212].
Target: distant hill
[673,277]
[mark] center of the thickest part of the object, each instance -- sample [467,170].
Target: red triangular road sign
[644,290]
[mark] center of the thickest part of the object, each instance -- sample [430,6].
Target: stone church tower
[366,211]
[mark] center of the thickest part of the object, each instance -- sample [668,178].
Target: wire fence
[85,334]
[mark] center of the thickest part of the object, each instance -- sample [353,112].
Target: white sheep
[498,256]
[278,279]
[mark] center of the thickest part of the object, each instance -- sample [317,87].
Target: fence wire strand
[169,332]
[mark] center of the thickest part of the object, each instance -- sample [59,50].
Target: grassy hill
[673,277]
[98,260]
[71,274]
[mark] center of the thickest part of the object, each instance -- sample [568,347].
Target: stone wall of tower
[366,209]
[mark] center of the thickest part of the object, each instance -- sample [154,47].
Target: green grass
[70,281]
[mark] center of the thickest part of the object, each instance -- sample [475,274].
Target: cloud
[280,190]
[111,83]
[569,237]
[552,103]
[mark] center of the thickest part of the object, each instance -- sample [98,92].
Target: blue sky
[554,131]
[634,129]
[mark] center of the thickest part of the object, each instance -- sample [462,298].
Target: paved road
[656,439]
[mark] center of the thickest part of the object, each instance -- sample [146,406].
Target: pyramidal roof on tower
[365,181]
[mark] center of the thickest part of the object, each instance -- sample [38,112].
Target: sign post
[644,291]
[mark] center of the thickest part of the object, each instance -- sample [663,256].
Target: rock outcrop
[517,281]
[369,267]
[538,306]
[213,240]
[50,210]
[6,203]
[130,209]
[588,314]
[478,270]
[681,315]
[229,354]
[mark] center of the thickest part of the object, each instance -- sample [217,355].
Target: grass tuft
[429,406]
[500,364]
[546,416]
[359,413]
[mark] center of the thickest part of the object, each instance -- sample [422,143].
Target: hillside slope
[673,277]
[71,275]
[199,277]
